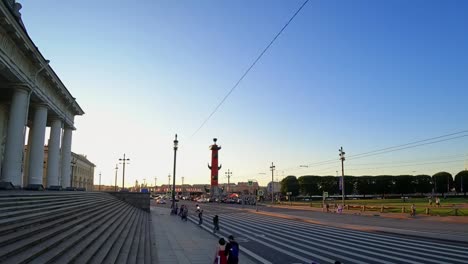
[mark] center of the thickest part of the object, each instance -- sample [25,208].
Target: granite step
[69,227]
[72,248]
[97,255]
[118,246]
[124,252]
[18,223]
[33,240]
[35,228]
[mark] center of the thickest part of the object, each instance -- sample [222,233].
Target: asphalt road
[280,240]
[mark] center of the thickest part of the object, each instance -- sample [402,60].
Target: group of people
[338,208]
[437,201]
[183,212]
[227,253]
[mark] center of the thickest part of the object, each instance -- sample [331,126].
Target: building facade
[82,170]
[31,96]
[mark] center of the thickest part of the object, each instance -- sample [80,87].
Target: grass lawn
[447,206]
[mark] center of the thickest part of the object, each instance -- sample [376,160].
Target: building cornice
[13,25]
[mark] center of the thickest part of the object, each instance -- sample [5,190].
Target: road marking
[246,251]
[316,236]
[367,235]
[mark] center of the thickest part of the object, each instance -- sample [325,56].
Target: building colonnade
[31,96]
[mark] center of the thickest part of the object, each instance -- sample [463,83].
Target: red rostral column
[214,168]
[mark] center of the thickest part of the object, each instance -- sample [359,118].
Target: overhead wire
[388,149]
[250,68]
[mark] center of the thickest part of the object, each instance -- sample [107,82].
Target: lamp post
[73,165]
[228,175]
[124,160]
[176,143]
[342,158]
[115,182]
[272,168]
[168,183]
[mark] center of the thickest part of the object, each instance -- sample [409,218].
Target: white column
[66,157]
[36,154]
[53,153]
[14,147]
[3,127]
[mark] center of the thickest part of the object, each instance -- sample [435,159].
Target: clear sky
[363,75]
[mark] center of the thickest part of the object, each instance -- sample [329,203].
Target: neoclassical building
[33,96]
[82,170]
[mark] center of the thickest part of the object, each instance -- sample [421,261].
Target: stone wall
[139,200]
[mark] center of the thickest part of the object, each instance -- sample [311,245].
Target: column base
[8,186]
[54,188]
[34,187]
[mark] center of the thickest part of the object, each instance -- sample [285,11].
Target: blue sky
[363,75]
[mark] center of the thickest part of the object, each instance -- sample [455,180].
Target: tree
[384,184]
[329,184]
[365,185]
[443,182]
[422,184]
[461,180]
[308,185]
[404,184]
[290,184]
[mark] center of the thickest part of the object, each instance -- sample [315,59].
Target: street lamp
[342,158]
[228,175]
[124,160]
[115,182]
[272,168]
[73,165]
[176,143]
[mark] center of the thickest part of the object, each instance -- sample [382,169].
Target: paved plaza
[282,235]
[183,242]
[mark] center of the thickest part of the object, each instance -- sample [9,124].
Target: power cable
[387,150]
[406,165]
[418,145]
[250,68]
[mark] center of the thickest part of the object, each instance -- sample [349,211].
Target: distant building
[82,171]
[244,188]
[276,187]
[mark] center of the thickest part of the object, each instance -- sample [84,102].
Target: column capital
[20,87]
[39,105]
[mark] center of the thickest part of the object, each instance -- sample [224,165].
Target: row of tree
[440,182]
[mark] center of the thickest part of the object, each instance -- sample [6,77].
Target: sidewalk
[183,242]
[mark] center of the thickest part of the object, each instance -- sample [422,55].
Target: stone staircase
[72,227]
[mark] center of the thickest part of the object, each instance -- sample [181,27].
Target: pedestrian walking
[437,201]
[413,210]
[181,211]
[327,206]
[200,218]
[185,214]
[340,209]
[220,256]
[430,201]
[232,251]
[215,223]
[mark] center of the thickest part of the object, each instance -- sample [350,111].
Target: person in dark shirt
[215,223]
[200,218]
[232,251]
